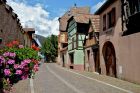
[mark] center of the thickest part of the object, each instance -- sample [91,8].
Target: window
[111,18]
[104,22]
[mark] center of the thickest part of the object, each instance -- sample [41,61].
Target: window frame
[111,18]
[104,22]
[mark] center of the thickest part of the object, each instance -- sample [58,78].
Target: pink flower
[12,54]
[7,72]
[16,66]
[2,60]
[36,67]
[6,54]
[10,61]
[24,77]
[21,66]
[21,46]
[18,72]
[27,61]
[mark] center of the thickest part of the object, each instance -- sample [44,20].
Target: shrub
[17,63]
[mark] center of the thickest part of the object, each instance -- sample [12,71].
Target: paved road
[53,79]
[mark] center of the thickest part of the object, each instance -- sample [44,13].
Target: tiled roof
[73,11]
[82,18]
[85,18]
[14,15]
[9,8]
[95,21]
[18,21]
[80,10]
[63,24]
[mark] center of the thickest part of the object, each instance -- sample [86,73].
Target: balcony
[63,37]
[131,14]
[90,42]
[92,39]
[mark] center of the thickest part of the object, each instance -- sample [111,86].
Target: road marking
[32,85]
[65,82]
[128,91]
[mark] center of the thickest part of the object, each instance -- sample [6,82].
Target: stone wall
[10,27]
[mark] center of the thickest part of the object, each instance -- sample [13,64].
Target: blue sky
[43,14]
[57,6]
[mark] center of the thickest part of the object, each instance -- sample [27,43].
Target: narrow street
[95,44]
[52,78]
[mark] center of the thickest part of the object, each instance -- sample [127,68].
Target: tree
[50,47]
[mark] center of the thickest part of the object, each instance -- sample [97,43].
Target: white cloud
[35,16]
[97,6]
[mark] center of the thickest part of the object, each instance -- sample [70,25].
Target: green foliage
[50,47]
[24,53]
[17,63]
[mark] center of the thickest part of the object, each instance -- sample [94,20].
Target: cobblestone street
[52,78]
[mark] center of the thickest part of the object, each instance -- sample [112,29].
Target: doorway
[110,59]
[96,60]
[63,59]
[71,55]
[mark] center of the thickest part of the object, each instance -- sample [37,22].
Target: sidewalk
[22,87]
[135,88]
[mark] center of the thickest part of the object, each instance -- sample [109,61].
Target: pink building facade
[119,52]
